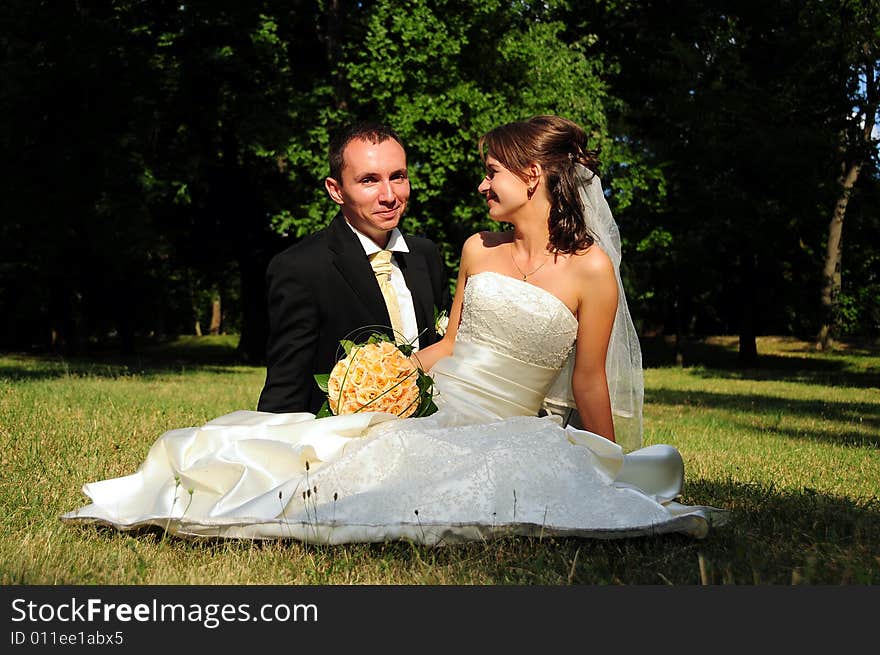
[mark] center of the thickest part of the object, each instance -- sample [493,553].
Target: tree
[857,79]
[82,247]
[162,151]
[141,138]
[442,74]
[735,102]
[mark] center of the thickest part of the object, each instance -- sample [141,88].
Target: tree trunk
[831,272]
[66,319]
[191,295]
[679,329]
[215,316]
[748,348]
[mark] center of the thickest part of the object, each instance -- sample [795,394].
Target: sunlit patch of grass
[791,448]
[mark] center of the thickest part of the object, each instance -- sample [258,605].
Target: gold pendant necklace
[524,275]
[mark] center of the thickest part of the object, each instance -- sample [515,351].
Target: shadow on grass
[774,408]
[802,369]
[206,354]
[772,537]
[92,369]
[797,364]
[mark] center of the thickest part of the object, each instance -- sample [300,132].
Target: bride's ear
[535,173]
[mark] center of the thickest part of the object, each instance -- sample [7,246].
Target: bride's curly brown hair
[557,144]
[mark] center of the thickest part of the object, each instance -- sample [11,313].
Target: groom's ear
[334,190]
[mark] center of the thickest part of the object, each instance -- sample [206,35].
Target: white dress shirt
[396,243]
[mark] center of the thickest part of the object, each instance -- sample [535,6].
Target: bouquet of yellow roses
[376,376]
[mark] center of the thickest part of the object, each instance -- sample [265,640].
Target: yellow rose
[376,377]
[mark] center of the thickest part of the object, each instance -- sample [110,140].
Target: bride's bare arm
[427,357]
[597,307]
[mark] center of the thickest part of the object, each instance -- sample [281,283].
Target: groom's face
[374,188]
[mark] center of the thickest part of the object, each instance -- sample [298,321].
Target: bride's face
[505,192]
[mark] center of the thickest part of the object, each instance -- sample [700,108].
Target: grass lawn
[792,447]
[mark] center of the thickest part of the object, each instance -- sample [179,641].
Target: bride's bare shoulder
[593,263]
[594,281]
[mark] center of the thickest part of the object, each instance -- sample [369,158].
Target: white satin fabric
[483,466]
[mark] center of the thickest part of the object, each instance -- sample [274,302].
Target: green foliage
[738,110]
[657,240]
[159,152]
[321,380]
[443,73]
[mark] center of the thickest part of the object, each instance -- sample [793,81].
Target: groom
[325,288]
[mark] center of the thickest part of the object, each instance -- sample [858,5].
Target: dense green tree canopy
[159,153]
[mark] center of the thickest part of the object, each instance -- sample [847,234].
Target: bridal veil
[623,364]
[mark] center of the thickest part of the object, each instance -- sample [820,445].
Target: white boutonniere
[441,322]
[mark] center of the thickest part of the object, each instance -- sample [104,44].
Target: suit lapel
[354,267]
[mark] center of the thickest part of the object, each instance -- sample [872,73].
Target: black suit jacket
[322,290]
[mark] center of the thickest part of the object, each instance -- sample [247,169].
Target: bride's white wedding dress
[484,465]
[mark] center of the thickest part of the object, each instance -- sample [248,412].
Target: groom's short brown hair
[371,131]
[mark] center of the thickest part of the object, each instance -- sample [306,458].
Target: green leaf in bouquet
[324,410]
[347,346]
[427,407]
[425,383]
[406,348]
[321,380]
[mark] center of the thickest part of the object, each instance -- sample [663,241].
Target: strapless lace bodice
[517,318]
[511,343]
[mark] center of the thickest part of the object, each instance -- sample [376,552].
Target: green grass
[792,447]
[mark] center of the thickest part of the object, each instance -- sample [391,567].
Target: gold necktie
[381,263]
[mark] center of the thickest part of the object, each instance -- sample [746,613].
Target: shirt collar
[396,242]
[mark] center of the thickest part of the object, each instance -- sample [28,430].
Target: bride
[539,319]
